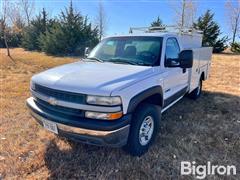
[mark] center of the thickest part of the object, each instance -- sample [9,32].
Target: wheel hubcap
[146,130]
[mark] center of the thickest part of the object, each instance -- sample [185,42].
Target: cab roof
[155,34]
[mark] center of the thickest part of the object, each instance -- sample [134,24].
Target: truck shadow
[202,130]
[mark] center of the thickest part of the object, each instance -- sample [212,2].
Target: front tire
[144,128]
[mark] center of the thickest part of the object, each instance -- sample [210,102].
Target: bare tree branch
[101,20]
[16,17]
[185,12]
[27,7]
[233,14]
[3,24]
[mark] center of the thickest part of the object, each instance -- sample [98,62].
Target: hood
[91,77]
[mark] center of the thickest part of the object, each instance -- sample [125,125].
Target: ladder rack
[172,29]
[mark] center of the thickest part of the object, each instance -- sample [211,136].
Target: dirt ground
[204,130]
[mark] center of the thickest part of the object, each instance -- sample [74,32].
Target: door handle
[184,70]
[167,90]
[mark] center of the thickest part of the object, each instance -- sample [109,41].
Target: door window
[172,49]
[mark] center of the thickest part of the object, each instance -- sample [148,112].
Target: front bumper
[114,133]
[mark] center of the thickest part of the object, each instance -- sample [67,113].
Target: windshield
[137,50]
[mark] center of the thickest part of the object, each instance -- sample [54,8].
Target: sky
[122,14]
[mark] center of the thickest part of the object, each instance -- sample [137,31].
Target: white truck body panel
[189,41]
[201,64]
[172,75]
[156,79]
[92,78]
[186,41]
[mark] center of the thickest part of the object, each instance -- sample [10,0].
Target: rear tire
[144,128]
[196,93]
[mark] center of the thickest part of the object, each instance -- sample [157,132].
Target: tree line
[210,30]
[70,32]
[185,15]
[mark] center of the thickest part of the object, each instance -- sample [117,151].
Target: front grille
[59,109]
[61,95]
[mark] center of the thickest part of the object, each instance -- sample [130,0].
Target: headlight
[32,85]
[104,100]
[104,116]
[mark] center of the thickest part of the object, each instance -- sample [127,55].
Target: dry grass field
[204,130]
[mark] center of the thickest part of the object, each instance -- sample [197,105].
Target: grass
[204,130]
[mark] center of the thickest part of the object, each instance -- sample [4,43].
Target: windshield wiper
[94,58]
[122,61]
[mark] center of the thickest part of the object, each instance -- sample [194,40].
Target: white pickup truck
[115,96]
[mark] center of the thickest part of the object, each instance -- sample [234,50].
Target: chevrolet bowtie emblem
[52,101]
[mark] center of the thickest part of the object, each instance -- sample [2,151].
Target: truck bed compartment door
[194,72]
[201,63]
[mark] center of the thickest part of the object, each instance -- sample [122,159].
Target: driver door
[176,79]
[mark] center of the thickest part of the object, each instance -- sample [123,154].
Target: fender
[137,99]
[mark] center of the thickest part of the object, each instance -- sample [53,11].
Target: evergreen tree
[211,32]
[32,33]
[72,26]
[53,40]
[70,35]
[235,47]
[157,22]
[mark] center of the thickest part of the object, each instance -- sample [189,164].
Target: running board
[164,109]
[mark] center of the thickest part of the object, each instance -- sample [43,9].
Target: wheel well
[152,95]
[153,99]
[202,76]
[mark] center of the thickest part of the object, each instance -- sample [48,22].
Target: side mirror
[87,51]
[186,58]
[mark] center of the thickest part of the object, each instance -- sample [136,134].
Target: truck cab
[115,95]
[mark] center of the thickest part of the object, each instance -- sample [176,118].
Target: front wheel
[195,94]
[144,128]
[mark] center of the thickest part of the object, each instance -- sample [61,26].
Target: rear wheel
[144,128]
[195,94]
